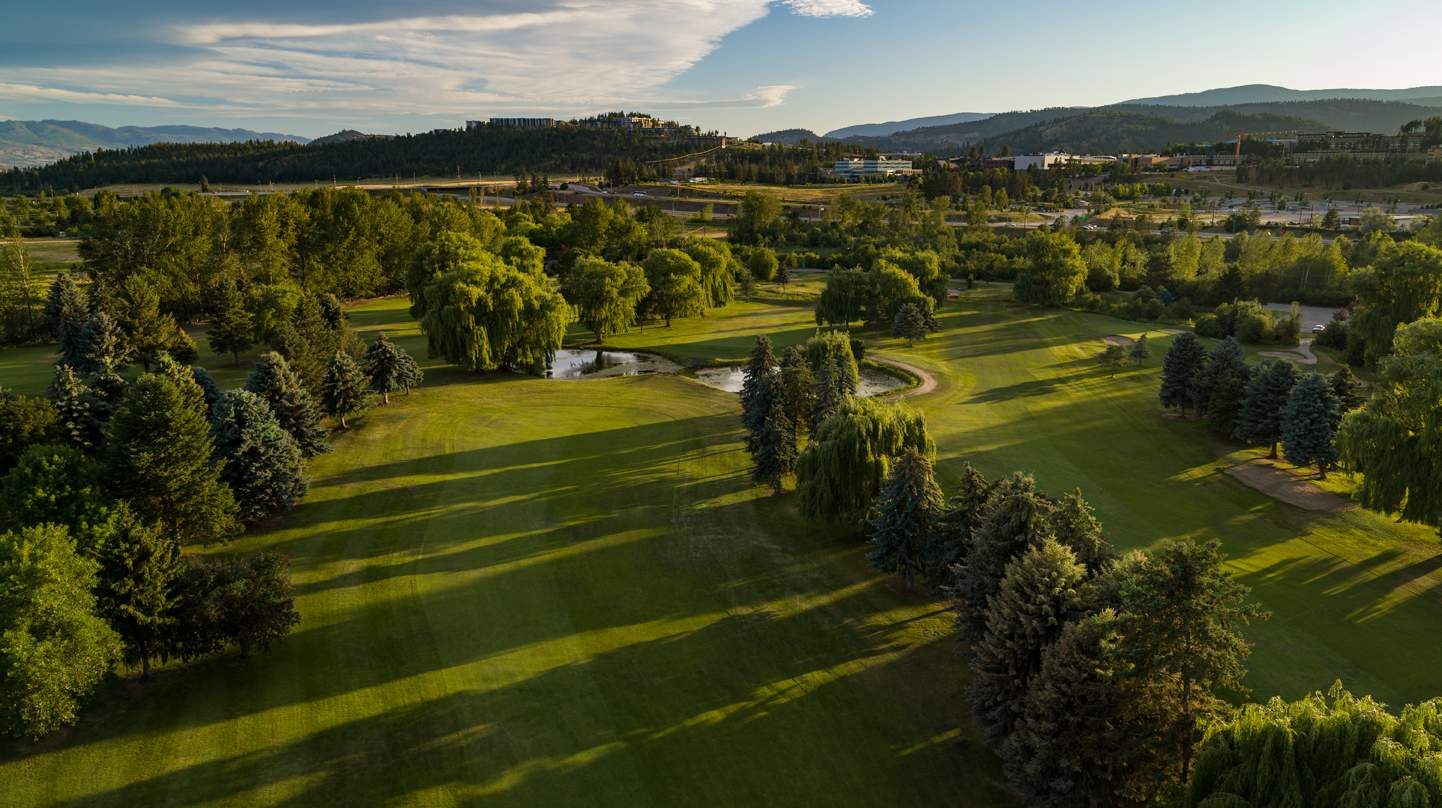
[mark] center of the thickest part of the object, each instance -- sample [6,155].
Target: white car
[1317,329]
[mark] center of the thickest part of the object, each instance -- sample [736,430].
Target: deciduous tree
[850,454]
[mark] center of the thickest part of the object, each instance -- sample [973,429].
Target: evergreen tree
[953,530]
[1141,351]
[186,381]
[104,352]
[231,328]
[159,458]
[1222,384]
[75,405]
[909,323]
[139,568]
[344,391]
[55,649]
[1260,419]
[759,376]
[1015,517]
[1307,424]
[838,345]
[1350,391]
[1112,358]
[798,388]
[830,392]
[846,461]
[386,367]
[1183,362]
[1038,595]
[411,374]
[905,516]
[1076,527]
[773,440]
[263,465]
[331,311]
[148,333]
[66,312]
[208,388]
[293,407]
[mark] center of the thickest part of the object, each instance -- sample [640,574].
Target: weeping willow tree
[851,453]
[487,314]
[1395,441]
[835,344]
[1321,751]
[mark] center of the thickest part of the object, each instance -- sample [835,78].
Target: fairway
[534,592]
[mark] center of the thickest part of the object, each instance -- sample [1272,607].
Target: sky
[739,66]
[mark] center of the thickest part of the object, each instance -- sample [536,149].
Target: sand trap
[586,364]
[1118,339]
[1287,486]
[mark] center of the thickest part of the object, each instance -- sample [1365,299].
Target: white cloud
[565,57]
[829,8]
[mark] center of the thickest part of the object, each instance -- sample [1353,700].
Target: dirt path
[927,381]
[1287,486]
[1302,353]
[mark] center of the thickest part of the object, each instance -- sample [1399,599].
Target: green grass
[541,592]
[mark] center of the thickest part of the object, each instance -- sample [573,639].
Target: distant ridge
[790,137]
[26,144]
[891,127]
[1271,94]
[343,136]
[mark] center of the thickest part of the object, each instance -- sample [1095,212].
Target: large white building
[880,166]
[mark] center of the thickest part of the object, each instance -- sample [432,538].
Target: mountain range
[33,143]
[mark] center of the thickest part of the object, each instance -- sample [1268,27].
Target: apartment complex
[879,166]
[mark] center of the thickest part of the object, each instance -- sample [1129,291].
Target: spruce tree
[139,569]
[186,381]
[798,387]
[1015,517]
[104,351]
[79,422]
[909,323]
[758,376]
[385,366]
[231,328]
[308,342]
[66,312]
[1308,424]
[55,649]
[411,374]
[1260,419]
[773,441]
[263,465]
[159,457]
[830,394]
[953,530]
[1222,385]
[1349,390]
[1180,367]
[208,388]
[344,391]
[293,407]
[1040,592]
[148,333]
[1076,527]
[1141,351]
[904,521]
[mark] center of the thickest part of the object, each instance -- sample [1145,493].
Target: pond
[873,381]
[587,364]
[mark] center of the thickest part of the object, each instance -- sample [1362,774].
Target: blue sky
[742,66]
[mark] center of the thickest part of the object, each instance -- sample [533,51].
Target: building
[514,123]
[1144,162]
[1314,146]
[879,166]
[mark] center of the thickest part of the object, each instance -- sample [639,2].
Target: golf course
[527,591]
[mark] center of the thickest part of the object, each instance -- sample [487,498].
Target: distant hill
[882,129]
[955,137]
[790,137]
[32,143]
[343,136]
[1110,131]
[1268,93]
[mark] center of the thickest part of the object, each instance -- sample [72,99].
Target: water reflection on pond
[873,382]
[578,364]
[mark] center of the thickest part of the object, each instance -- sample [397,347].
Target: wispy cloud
[829,8]
[32,92]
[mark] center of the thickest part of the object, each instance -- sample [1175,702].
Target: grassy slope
[547,593]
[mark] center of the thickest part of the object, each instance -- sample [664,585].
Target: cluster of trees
[105,480]
[897,279]
[1269,405]
[1094,676]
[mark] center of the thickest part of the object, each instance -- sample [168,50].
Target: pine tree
[1039,593]
[308,342]
[411,374]
[1015,517]
[1222,384]
[55,649]
[773,441]
[1308,424]
[75,404]
[104,351]
[1183,362]
[1141,351]
[159,458]
[759,375]
[293,407]
[1075,526]
[830,394]
[208,388]
[1349,390]
[185,380]
[1260,419]
[139,568]
[231,329]
[344,390]
[1112,358]
[953,530]
[384,364]
[148,333]
[263,465]
[798,387]
[905,517]
[66,312]
[331,311]
[910,323]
